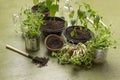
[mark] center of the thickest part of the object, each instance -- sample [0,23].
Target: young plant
[102,38]
[33,22]
[83,14]
[53,7]
[39,6]
[75,54]
[35,2]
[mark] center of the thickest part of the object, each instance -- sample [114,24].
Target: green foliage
[75,54]
[53,7]
[79,54]
[73,21]
[33,22]
[85,13]
[35,2]
[42,6]
[96,22]
[49,3]
[72,33]
[102,34]
[82,54]
[102,38]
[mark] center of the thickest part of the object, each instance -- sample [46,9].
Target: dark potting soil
[54,43]
[53,24]
[79,35]
[42,61]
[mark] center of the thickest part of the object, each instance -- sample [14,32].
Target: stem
[93,22]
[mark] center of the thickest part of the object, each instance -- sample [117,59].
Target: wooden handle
[17,50]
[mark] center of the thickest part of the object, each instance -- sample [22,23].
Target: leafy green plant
[33,22]
[53,6]
[39,6]
[75,54]
[102,36]
[36,2]
[83,54]
[84,13]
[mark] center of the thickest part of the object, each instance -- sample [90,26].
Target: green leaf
[96,20]
[73,21]
[81,14]
[49,3]
[87,6]
[71,15]
[35,2]
[72,33]
[54,8]
[92,13]
[65,24]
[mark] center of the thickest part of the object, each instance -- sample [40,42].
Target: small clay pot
[81,35]
[54,42]
[53,25]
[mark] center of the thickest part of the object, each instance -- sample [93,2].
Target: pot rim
[51,30]
[53,35]
[74,40]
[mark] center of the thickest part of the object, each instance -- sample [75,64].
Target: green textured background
[16,67]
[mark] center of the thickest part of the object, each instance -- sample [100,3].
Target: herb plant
[83,14]
[40,6]
[33,22]
[53,6]
[75,54]
[83,54]
[36,2]
[102,36]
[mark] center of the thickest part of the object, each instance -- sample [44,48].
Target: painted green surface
[16,67]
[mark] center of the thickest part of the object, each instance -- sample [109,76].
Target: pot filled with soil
[54,42]
[32,24]
[41,8]
[77,34]
[53,25]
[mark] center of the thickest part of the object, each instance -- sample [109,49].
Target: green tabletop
[16,67]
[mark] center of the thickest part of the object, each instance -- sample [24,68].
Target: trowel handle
[17,50]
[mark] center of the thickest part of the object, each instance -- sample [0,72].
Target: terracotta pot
[54,42]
